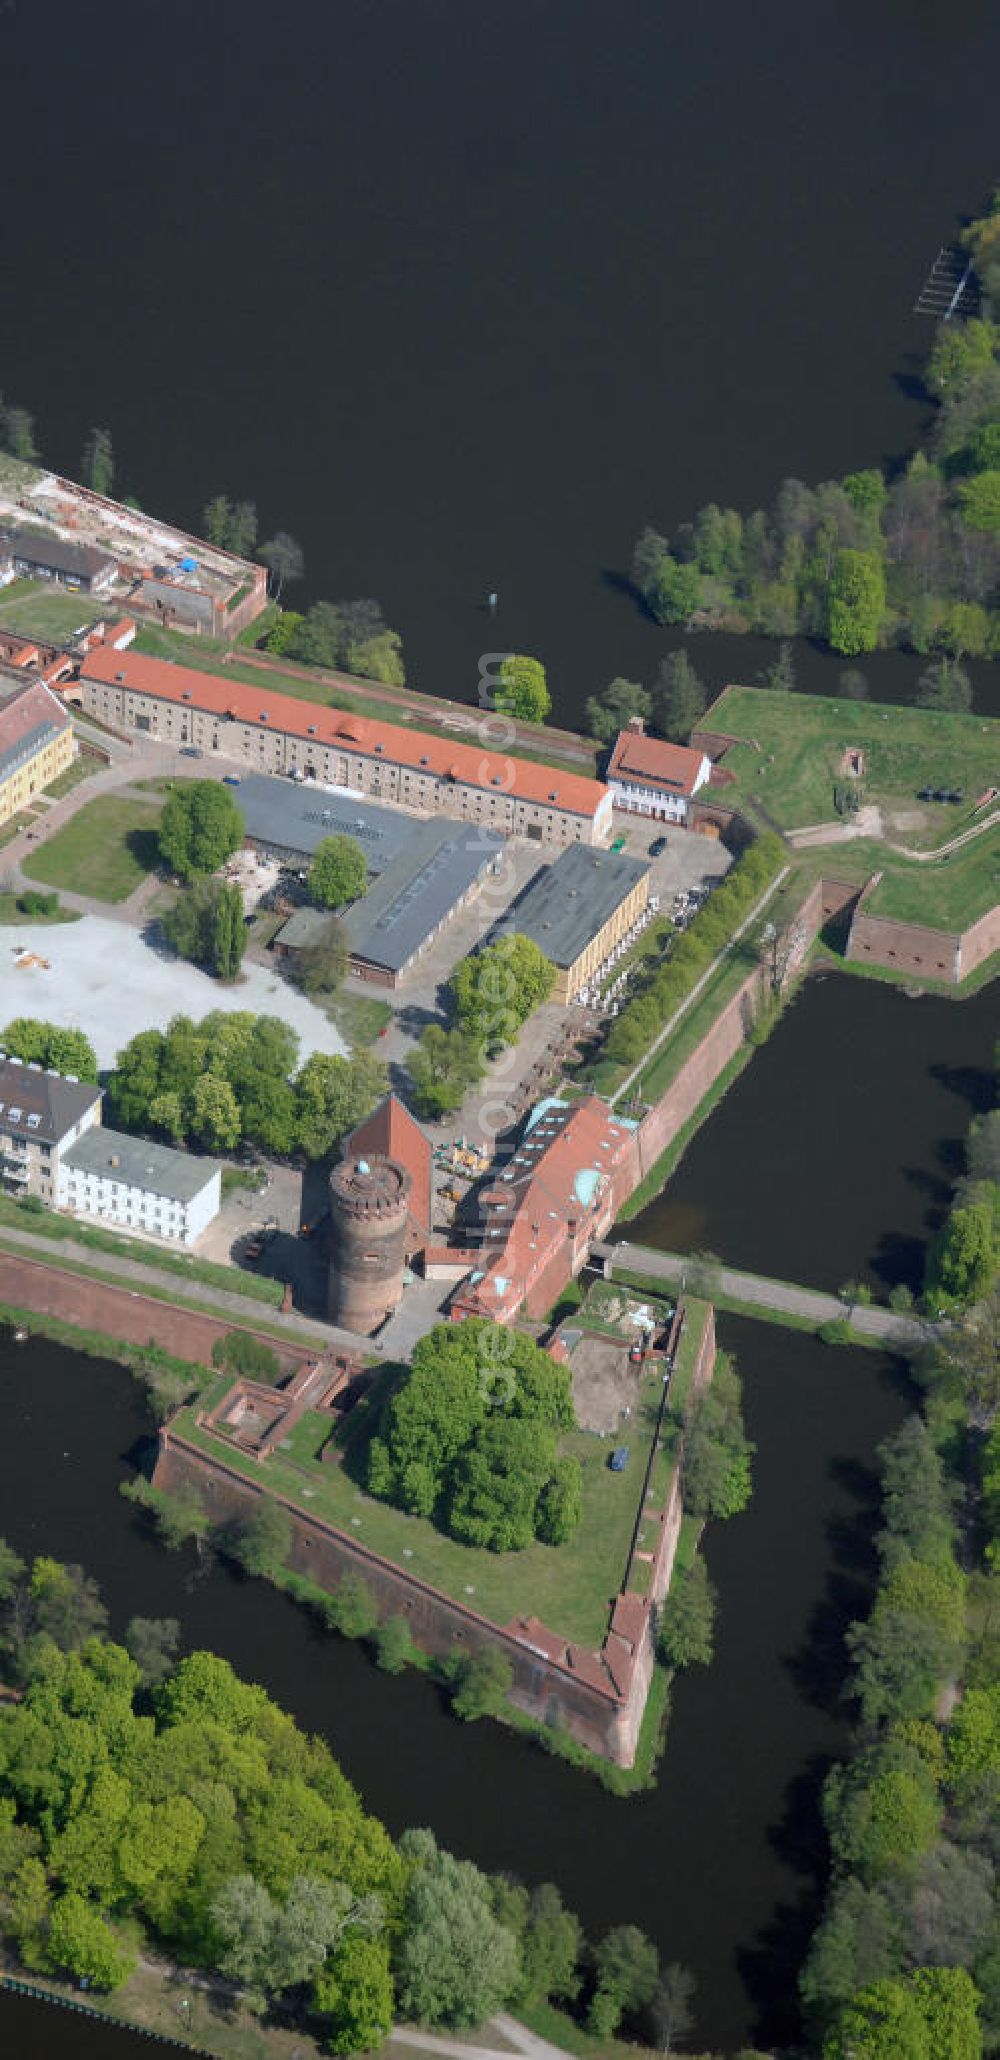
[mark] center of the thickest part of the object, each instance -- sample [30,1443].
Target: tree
[81,1942]
[610,710]
[859,1941]
[672,2010]
[66,1604]
[687,1618]
[378,658]
[241,529]
[882,2022]
[551,1944]
[442,1066]
[962,1261]
[319,968]
[353,1610]
[338,873]
[522,689]
[213,1114]
[333,1095]
[944,685]
[979,499]
[261,1540]
[455,1962]
[47,1044]
[240,1352]
[98,470]
[284,561]
[781,675]
[673,590]
[206,926]
[855,602]
[228,935]
[356,1993]
[952,1906]
[153,1642]
[982,1145]
[559,1507]
[243,1916]
[201,826]
[627,1968]
[679,699]
[912,1641]
[17,433]
[484,1680]
[495,990]
[394,1645]
[215,520]
[882,1813]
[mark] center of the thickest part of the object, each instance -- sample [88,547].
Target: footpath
[759,1292]
[63,1254]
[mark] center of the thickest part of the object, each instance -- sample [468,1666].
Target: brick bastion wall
[917,948]
[134,1319]
[598,1697]
[730,1030]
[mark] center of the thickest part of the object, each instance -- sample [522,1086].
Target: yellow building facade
[36,745]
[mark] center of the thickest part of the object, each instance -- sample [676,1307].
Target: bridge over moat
[757,1291]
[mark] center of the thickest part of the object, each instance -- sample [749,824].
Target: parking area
[688,860]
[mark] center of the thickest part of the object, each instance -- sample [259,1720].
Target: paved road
[756,1289]
[148,1274]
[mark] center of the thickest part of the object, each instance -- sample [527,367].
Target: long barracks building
[275,733]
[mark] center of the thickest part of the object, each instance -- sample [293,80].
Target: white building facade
[144,1188]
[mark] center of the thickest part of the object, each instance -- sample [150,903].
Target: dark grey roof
[307,926]
[37,547]
[112,1155]
[56,1101]
[568,903]
[412,899]
[289,815]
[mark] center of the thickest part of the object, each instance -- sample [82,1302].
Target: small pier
[950,287]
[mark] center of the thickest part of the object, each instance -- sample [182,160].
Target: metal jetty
[950,286]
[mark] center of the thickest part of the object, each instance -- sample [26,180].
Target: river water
[465,296]
[833,1157]
[720,1863]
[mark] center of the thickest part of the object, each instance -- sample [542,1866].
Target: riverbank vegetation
[866,560]
[663,984]
[147,1801]
[906,1959]
[232,1078]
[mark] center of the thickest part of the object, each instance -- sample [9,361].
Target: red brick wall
[979,943]
[699,1072]
[94,1305]
[904,947]
[542,1687]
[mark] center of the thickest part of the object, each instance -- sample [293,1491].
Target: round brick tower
[369,1208]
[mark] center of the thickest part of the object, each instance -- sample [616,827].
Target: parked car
[619,844]
[191,751]
[230,779]
[619,1459]
[657,847]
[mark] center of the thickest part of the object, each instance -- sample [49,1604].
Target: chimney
[637,724]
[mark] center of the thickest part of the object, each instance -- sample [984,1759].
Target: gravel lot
[104,980]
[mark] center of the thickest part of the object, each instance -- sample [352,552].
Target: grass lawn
[106,850]
[794,742]
[83,767]
[570,1586]
[950,893]
[359,1018]
[38,608]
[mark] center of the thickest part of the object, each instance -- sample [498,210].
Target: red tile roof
[392,1131]
[26,710]
[652,763]
[532,1211]
[217,695]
